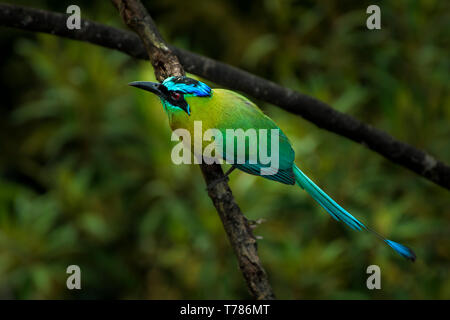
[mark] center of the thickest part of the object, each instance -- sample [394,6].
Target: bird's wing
[240,113]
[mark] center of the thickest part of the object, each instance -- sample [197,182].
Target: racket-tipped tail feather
[340,214]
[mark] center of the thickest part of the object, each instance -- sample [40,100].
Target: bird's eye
[175,95]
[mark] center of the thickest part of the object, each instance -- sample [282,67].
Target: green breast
[229,110]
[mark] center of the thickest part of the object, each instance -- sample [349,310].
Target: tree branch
[307,107]
[135,16]
[166,64]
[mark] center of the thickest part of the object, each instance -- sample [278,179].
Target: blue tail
[340,214]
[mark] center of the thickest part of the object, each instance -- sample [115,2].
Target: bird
[186,101]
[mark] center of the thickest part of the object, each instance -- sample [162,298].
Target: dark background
[86,176]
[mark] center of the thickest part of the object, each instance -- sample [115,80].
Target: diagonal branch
[135,16]
[307,107]
[165,64]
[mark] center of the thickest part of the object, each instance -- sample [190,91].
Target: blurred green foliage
[86,176]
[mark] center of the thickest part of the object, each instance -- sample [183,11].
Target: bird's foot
[214,183]
[222,179]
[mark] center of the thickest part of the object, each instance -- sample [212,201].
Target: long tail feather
[402,250]
[340,214]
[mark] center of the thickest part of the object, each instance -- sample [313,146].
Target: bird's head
[174,91]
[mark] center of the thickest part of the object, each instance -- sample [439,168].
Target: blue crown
[187,86]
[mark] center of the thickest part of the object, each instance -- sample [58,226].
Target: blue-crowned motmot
[186,100]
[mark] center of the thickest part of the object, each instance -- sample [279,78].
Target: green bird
[187,101]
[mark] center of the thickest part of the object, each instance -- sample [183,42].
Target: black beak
[148,86]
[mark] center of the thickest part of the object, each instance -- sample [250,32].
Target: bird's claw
[212,184]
